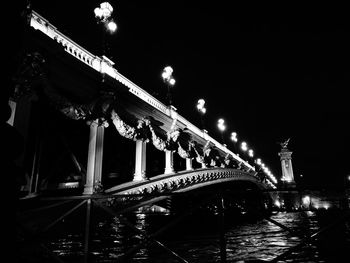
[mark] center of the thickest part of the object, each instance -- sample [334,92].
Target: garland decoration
[199,157]
[158,142]
[124,129]
[184,153]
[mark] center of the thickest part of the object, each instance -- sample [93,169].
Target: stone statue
[284,144]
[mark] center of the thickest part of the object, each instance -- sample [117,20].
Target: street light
[202,110]
[222,128]
[169,80]
[234,139]
[251,153]
[103,15]
[244,146]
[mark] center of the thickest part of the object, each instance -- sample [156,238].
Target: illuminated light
[169,80]
[167,72]
[172,81]
[221,124]
[200,106]
[326,206]
[277,203]
[234,136]
[104,11]
[98,12]
[306,200]
[111,26]
[244,146]
[201,102]
[258,161]
[251,153]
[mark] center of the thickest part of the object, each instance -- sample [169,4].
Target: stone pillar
[95,155]
[169,162]
[140,161]
[189,164]
[286,165]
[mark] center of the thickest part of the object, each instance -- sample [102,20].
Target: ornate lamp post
[103,15]
[234,139]
[169,80]
[202,110]
[244,146]
[222,128]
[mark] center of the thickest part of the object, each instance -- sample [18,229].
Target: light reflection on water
[197,240]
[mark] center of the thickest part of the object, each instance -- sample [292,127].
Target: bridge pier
[140,161]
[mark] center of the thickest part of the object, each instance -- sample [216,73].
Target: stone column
[286,165]
[189,166]
[140,161]
[95,155]
[169,162]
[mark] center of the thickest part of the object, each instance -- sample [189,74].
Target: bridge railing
[185,181]
[105,66]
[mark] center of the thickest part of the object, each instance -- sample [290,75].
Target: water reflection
[196,239]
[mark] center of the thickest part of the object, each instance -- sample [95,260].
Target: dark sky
[270,77]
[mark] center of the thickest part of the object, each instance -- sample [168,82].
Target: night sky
[270,77]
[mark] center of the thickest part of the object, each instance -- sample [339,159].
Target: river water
[196,238]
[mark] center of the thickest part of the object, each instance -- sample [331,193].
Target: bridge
[59,83]
[93,136]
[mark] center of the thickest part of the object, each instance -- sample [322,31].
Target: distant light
[201,102]
[167,75]
[167,71]
[104,11]
[326,206]
[111,26]
[277,203]
[258,161]
[200,106]
[221,124]
[244,146]
[250,152]
[306,200]
[172,81]
[234,136]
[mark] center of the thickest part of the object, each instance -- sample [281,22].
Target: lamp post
[202,110]
[222,128]
[169,80]
[234,139]
[250,153]
[103,15]
[244,147]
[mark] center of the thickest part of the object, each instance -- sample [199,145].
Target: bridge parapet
[184,181]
